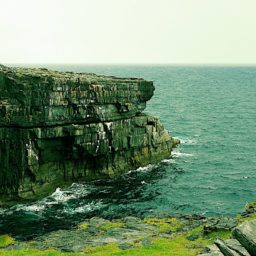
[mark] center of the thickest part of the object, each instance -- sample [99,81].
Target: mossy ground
[170,239]
[112,225]
[6,240]
[165,224]
[178,245]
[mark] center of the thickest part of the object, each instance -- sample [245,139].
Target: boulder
[213,250]
[235,246]
[225,249]
[219,223]
[246,235]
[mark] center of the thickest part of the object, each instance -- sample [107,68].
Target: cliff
[58,127]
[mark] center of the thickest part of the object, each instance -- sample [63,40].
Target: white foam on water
[145,168]
[176,153]
[33,208]
[38,207]
[83,208]
[168,161]
[59,196]
[188,141]
[89,207]
[62,196]
[2,211]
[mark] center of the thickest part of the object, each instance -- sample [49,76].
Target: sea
[211,109]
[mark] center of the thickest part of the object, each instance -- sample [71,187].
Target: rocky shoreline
[174,235]
[243,237]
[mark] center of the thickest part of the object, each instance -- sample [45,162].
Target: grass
[165,224]
[83,226]
[243,219]
[34,252]
[111,225]
[6,240]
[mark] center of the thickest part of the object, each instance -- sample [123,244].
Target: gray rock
[213,250]
[192,237]
[216,253]
[250,208]
[96,221]
[236,246]
[246,235]
[219,223]
[225,249]
[125,246]
[132,220]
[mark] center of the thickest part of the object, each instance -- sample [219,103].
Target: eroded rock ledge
[58,127]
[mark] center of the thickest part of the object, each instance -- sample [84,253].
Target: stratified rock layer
[243,242]
[58,127]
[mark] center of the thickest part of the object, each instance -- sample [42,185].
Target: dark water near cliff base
[213,172]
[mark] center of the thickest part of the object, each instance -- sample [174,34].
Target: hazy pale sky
[128,31]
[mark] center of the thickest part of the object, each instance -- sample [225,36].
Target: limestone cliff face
[60,127]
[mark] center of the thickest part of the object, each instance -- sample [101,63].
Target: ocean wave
[146,168]
[62,196]
[188,141]
[2,211]
[176,153]
[75,191]
[59,197]
[207,187]
[32,208]
[168,161]
[89,207]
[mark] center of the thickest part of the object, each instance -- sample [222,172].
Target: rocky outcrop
[60,127]
[243,242]
[246,235]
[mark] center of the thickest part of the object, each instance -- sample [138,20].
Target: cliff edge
[60,127]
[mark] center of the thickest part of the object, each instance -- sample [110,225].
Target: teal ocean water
[212,110]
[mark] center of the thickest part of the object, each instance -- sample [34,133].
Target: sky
[128,31]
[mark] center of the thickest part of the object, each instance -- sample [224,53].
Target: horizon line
[132,64]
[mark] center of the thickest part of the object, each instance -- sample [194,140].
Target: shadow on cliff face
[128,195]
